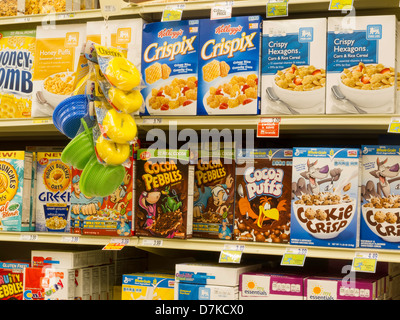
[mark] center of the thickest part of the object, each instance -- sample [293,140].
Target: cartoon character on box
[148,201]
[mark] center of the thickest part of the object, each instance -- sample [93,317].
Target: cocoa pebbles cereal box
[229,66]
[164,193]
[325,197]
[169,67]
[380,197]
[263,191]
[214,193]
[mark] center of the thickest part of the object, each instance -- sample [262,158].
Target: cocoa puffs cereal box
[169,67]
[229,66]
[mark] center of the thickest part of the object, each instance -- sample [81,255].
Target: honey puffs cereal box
[15,189]
[380,197]
[229,66]
[53,193]
[169,67]
[17,51]
[293,66]
[57,55]
[361,61]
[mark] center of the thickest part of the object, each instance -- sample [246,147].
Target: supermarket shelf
[32,127]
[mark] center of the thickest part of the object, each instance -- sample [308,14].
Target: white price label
[294,257]
[365,262]
[29,237]
[152,243]
[152,121]
[234,247]
[222,10]
[70,239]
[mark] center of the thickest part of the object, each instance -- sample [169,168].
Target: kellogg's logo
[228,29]
[170,33]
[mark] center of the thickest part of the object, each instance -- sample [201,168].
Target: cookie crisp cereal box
[325,199]
[53,193]
[169,67]
[361,61]
[57,56]
[15,189]
[229,66]
[16,69]
[380,203]
[293,66]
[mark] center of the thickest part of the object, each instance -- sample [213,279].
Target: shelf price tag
[152,243]
[277,8]
[231,254]
[29,237]
[340,5]
[116,244]
[70,239]
[268,127]
[294,257]
[364,262]
[111,7]
[173,13]
[152,121]
[394,125]
[221,10]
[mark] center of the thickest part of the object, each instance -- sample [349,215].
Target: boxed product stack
[263,187]
[380,197]
[326,198]
[293,66]
[209,281]
[148,286]
[269,286]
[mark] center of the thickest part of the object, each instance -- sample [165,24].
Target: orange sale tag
[268,128]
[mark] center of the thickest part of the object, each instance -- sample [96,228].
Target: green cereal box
[15,188]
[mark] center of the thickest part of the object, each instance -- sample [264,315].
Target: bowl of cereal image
[58,87]
[326,219]
[368,85]
[301,87]
[384,221]
[56,223]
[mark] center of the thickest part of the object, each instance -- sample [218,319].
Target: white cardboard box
[189,291]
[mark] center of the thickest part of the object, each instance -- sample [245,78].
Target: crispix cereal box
[169,67]
[17,51]
[15,189]
[53,193]
[229,66]
[164,193]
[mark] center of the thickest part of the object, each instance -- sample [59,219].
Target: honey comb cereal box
[11,279]
[325,197]
[214,193]
[229,66]
[16,69]
[164,193]
[103,216]
[15,188]
[361,61]
[147,286]
[263,195]
[380,185]
[169,67]
[53,193]
[293,66]
[57,56]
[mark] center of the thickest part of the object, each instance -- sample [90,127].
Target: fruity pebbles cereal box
[15,189]
[229,66]
[169,67]
[16,69]
[11,279]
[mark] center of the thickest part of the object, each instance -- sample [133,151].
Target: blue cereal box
[325,197]
[293,66]
[380,197]
[169,67]
[15,190]
[229,66]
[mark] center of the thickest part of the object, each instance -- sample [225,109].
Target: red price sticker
[268,128]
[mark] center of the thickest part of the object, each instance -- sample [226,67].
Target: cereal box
[380,197]
[229,66]
[15,188]
[263,195]
[147,286]
[164,193]
[264,286]
[325,197]
[293,66]
[53,193]
[12,8]
[214,193]
[11,279]
[361,61]
[169,67]
[57,56]
[47,6]
[190,291]
[16,69]
[111,215]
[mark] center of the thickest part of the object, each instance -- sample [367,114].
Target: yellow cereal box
[17,50]
[53,193]
[148,286]
[57,57]
[47,6]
